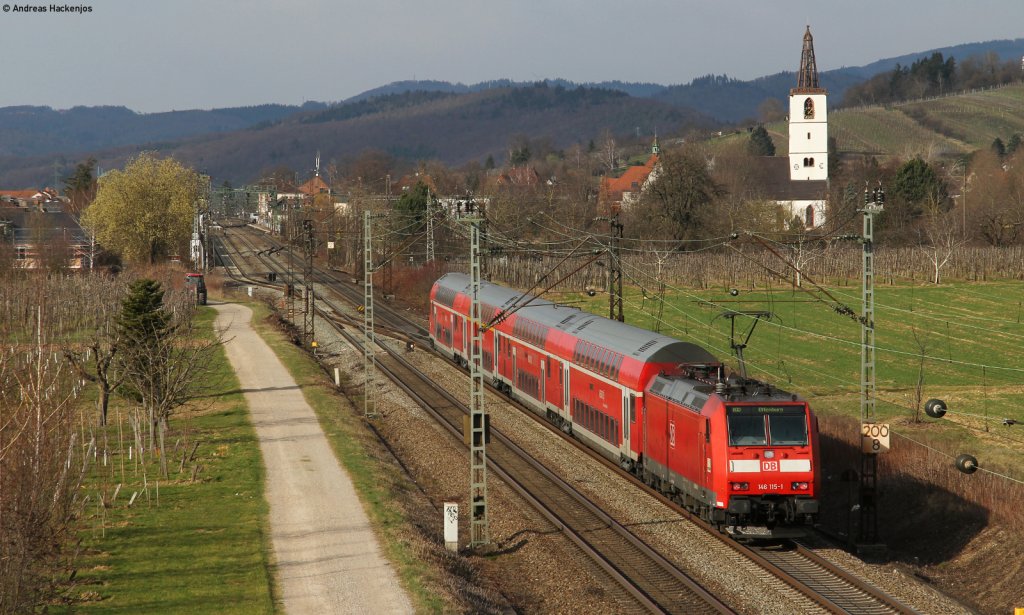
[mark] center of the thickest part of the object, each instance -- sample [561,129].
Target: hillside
[34,131]
[455,123]
[732,100]
[453,128]
[941,126]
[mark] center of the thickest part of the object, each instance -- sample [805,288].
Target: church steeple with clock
[808,121]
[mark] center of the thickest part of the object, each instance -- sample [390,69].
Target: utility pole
[369,399]
[479,528]
[485,250]
[309,314]
[430,230]
[615,269]
[874,202]
[290,284]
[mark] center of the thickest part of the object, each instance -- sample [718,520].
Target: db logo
[769,466]
[672,435]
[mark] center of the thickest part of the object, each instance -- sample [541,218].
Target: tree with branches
[162,356]
[144,213]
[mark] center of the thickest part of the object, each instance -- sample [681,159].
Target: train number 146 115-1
[770,486]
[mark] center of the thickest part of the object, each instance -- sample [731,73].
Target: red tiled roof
[316,185]
[630,181]
[20,194]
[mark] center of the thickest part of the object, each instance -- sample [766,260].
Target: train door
[543,381]
[703,453]
[565,388]
[627,404]
[497,355]
[515,369]
[457,334]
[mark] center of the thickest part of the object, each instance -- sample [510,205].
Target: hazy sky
[159,55]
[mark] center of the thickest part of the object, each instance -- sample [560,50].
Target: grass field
[184,546]
[966,339]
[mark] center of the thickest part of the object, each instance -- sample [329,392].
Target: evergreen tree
[915,187]
[1013,144]
[80,188]
[143,326]
[998,148]
[413,202]
[760,143]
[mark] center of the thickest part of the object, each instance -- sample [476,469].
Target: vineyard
[947,125]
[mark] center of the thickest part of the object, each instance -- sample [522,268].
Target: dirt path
[327,557]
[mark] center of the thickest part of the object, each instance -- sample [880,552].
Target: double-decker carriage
[737,451]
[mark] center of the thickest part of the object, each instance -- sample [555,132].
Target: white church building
[800,182]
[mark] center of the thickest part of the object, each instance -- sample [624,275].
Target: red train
[738,452]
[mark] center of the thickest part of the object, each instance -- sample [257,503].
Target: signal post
[874,436]
[479,530]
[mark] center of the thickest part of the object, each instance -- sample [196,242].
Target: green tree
[80,188]
[760,143]
[143,327]
[1013,144]
[915,187]
[162,357]
[144,213]
[998,147]
[413,203]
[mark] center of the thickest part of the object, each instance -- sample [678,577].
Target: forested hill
[452,128]
[732,100]
[33,131]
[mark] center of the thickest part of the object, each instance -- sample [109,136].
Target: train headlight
[740,486]
[801,486]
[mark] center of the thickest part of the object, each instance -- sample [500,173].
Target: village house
[622,192]
[39,233]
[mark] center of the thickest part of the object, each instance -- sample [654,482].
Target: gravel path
[327,559]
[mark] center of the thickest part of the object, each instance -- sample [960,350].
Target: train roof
[641,344]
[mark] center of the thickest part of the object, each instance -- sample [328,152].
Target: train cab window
[747,430]
[789,430]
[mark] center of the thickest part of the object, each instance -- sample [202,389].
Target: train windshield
[767,425]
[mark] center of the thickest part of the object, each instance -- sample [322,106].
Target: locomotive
[736,451]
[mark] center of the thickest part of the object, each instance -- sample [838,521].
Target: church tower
[808,121]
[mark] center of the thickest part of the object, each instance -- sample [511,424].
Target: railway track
[831,587]
[649,578]
[841,591]
[653,583]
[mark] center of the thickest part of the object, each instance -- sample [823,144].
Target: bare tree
[939,238]
[41,460]
[93,360]
[608,152]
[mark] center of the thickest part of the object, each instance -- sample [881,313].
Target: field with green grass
[194,542]
[966,340]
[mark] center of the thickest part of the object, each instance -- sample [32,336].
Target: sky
[163,55]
